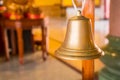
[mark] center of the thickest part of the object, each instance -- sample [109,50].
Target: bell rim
[79,56]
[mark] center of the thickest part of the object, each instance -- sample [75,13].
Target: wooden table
[19,26]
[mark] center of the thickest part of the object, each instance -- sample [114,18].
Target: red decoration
[35,16]
[12,16]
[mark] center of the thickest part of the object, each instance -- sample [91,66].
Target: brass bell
[79,42]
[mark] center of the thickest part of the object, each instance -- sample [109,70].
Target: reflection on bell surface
[79,42]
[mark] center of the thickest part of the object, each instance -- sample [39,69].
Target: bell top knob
[79,13]
[79,17]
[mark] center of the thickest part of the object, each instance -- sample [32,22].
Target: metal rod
[74,5]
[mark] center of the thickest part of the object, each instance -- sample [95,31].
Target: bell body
[79,42]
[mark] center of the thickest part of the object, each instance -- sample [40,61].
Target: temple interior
[33,32]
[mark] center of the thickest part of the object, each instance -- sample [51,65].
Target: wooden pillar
[13,42]
[20,41]
[88,70]
[111,71]
[88,65]
[88,11]
[44,40]
[115,18]
[5,38]
[2,49]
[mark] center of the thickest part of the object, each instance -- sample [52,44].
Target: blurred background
[55,14]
